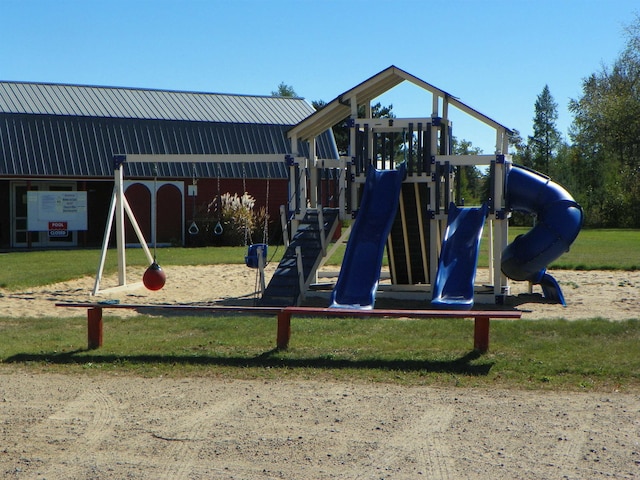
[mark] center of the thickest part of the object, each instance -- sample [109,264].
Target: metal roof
[50,146]
[73,131]
[147,104]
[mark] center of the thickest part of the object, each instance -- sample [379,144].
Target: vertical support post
[284,226]
[501,225]
[314,177]
[445,133]
[423,241]
[284,330]
[491,250]
[447,186]
[323,238]
[481,334]
[261,255]
[120,234]
[354,153]
[405,237]
[434,193]
[342,187]
[105,243]
[302,185]
[94,328]
[409,146]
[300,268]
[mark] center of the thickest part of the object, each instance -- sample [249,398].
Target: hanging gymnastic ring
[193,228]
[217,230]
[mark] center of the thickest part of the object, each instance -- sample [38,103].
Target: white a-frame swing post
[118,208]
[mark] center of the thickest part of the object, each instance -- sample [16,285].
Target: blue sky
[494,55]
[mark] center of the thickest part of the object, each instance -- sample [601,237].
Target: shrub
[230,220]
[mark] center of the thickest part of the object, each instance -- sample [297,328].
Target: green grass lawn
[610,249]
[591,354]
[593,250]
[594,355]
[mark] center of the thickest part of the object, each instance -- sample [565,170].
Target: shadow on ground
[270,359]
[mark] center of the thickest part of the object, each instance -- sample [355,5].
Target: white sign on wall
[57,209]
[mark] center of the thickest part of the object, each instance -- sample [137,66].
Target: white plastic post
[342,187]
[314,176]
[105,244]
[323,240]
[120,236]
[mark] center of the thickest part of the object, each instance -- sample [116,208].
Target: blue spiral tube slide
[559,219]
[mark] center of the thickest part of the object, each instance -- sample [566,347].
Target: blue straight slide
[360,272]
[453,286]
[559,219]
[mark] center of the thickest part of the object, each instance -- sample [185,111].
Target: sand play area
[113,426]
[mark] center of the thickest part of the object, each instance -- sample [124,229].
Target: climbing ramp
[284,288]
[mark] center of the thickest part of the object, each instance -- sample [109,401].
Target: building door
[158,209]
[20,236]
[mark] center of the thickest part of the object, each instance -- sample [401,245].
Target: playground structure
[408,206]
[432,241]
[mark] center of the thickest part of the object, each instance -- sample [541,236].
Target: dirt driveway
[66,427]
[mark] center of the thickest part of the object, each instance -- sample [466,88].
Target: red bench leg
[481,334]
[284,330]
[94,328]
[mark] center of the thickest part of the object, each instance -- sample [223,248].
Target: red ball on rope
[154,277]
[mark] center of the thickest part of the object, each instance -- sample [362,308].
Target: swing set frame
[119,207]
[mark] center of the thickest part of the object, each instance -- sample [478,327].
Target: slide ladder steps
[284,287]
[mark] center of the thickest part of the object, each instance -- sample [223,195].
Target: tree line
[600,161]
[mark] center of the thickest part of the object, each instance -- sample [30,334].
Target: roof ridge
[144,89]
[127,102]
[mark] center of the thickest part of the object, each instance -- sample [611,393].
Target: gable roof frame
[340,107]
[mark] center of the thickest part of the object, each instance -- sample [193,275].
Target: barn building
[63,138]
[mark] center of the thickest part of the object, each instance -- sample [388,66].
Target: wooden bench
[95,322]
[481,318]
[284,314]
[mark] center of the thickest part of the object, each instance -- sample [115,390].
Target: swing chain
[218,230]
[193,228]
[247,234]
[265,231]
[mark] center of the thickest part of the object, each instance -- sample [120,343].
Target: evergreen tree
[284,90]
[544,143]
[520,149]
